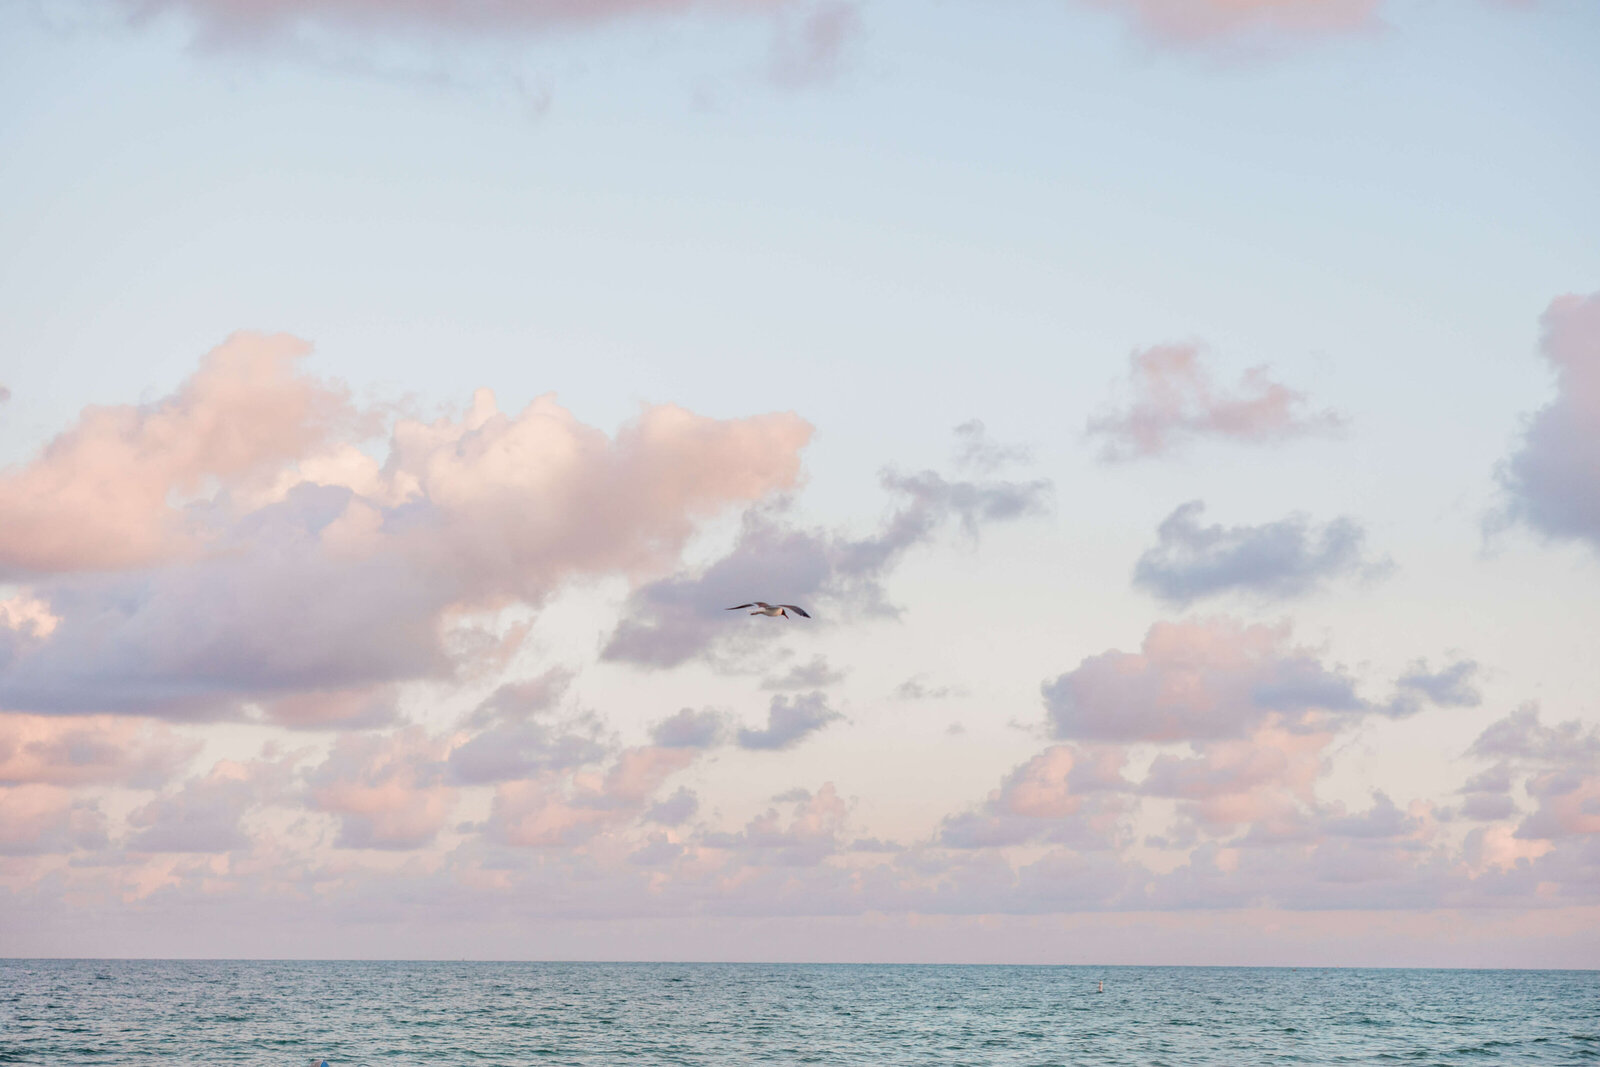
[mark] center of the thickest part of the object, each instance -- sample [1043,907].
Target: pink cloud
[388,792]
[90,750]
[27,616]
[539,814]
[639,772]
[1174,401]
[39,819]
[206,814]
[1559,767]
[1553,479]
[1271,758]
[1265,782]
[1204,22]
[1198,680]
[566,806]
[1040,787]
[1065,794]
[99,495]
[1499,847]
[811,832]
[1569,805]
[306,575]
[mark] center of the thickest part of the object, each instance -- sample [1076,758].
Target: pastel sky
[1181,419]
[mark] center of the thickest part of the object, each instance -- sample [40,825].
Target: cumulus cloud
[101,495]
[1275,560]
[1553,478]
[1064,795]
[512,734]
[43,819]
[1264,782]
[388,791]
[1254,829]
[1453,686]
[1173,401]
[1193,23]
[1203,679]
[1488,794]
[673,620]
[90,750]
[565,811]
[248,552]
[206,814]
[789,721]
[1247,823]
[689,729]
[1053,836]
[1216,679]
[676,810]
[510,750]
[1522,735]
[809,835]
[1558,768]
[518,701]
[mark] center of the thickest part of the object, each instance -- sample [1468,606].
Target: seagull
[774,610]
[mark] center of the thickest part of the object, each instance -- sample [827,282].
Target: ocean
[62,1012]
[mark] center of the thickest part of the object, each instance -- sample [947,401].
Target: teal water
[227,1012]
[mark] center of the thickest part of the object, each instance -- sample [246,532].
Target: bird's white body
[772,610]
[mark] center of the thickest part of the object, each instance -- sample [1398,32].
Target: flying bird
[763,608]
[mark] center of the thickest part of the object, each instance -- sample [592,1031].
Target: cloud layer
[312,564]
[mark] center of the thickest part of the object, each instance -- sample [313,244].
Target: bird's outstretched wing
[798,611]
[736,607]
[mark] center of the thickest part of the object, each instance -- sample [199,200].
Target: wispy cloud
[1172,402]
[1274,561]
[790,720]
[677,619]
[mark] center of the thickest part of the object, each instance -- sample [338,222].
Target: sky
[1180,419]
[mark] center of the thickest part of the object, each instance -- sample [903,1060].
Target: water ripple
[446,1014]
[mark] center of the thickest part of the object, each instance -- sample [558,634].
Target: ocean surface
[227,1012]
